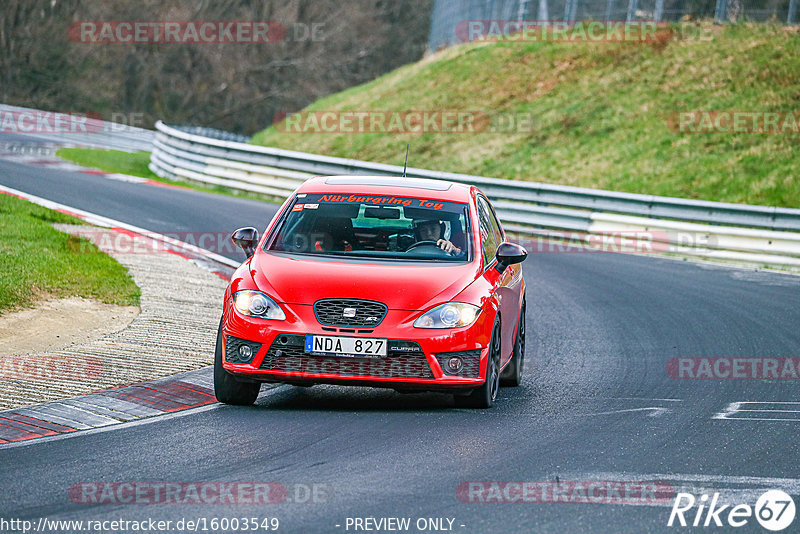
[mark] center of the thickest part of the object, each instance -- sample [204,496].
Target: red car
[376,281]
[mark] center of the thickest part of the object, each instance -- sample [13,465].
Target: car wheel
[485,395]
[512,374]
[227,389]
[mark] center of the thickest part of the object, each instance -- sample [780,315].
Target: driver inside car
[433,230]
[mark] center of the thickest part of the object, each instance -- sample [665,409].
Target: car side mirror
[509,254]
[246,238]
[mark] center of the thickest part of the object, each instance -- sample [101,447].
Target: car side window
[489,231]
[496,228]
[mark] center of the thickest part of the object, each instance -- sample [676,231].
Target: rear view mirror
[246,238]
[382,213]
[509,254]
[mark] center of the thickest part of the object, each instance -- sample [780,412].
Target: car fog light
[245,352]
[454,364]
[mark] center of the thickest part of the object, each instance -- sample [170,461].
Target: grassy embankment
[39,262]
[603,114]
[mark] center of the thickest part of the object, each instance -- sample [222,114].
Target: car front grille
[405,359]
[470,363]
[331,312]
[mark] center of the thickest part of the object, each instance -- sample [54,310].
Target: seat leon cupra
[389,282]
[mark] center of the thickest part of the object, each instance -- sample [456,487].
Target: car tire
[484,396]
[227,388]
[512,374]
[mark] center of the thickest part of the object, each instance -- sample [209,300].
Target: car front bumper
[416,358]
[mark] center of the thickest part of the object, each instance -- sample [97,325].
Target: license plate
[346,346]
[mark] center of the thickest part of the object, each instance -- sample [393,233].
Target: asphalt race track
[597,403]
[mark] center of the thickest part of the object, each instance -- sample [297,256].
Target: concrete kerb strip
[106,408]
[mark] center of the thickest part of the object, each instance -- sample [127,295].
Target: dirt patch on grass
[58,323]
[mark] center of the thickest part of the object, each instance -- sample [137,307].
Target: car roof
[389,185]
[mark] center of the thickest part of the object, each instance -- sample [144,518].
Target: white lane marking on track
[733,411]
[639,398]
[129,424]
[655,411]
[100,220]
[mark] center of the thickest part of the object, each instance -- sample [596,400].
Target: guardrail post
[633,5]
[791,18]
[659,11]
[721,11]
[522,12]
[570,6]
[544,12]
[610,8]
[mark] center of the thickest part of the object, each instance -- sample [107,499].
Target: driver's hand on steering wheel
[448,247]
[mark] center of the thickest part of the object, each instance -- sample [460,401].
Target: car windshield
[392,227]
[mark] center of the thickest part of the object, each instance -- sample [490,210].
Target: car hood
[401,286]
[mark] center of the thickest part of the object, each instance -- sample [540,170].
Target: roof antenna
[405,165]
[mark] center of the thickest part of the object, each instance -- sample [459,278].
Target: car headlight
[449,315]
[257,304]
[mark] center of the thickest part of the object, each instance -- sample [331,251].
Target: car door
[505,286]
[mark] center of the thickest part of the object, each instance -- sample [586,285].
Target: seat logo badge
[349,312]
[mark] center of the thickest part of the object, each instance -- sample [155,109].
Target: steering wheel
[427,243]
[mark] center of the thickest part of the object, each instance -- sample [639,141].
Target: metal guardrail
[523,206]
